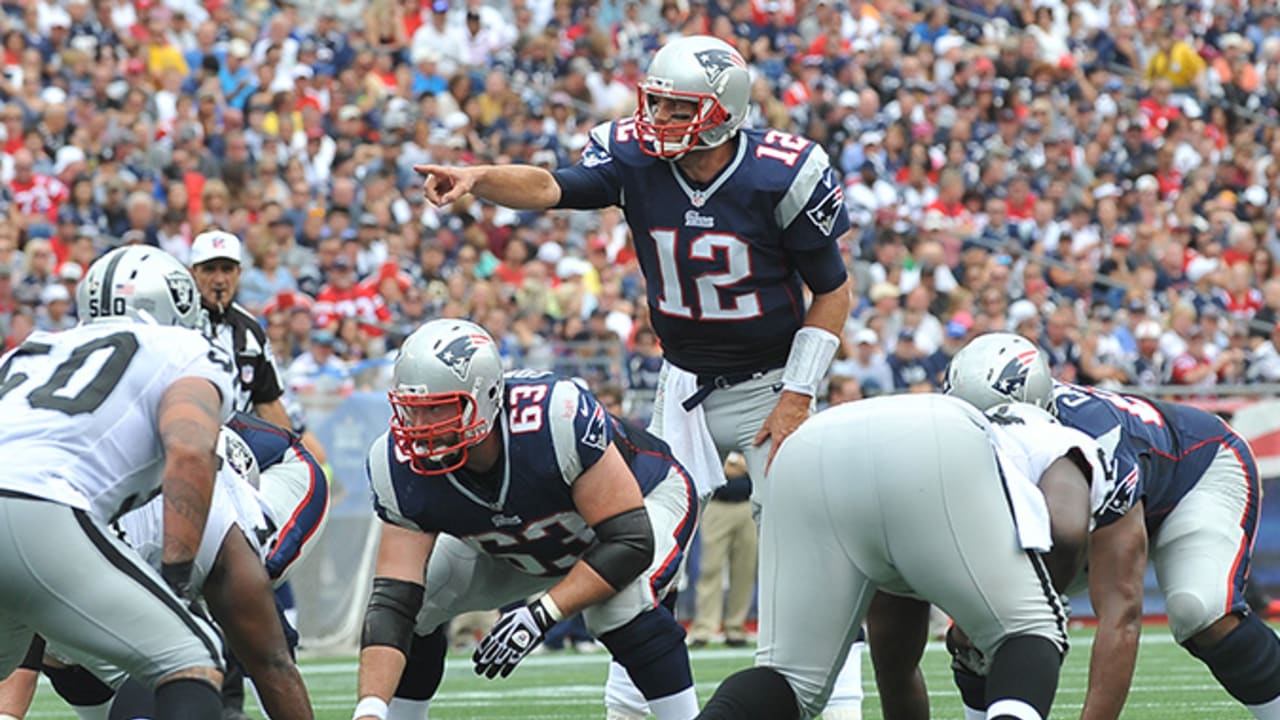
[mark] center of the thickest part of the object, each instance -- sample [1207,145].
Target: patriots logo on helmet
[459,352]
[182,289]
[716,61]
[1014,374]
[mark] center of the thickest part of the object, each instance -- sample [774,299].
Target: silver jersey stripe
[802,187]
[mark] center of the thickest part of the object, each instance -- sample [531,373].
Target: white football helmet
[703,70]
[140,283]
[446,392]
[999,368]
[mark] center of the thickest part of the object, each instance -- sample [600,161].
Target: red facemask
[674,139]
[438,447]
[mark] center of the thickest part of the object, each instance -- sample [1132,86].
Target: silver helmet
[446,391]
[705,71]
[139,283]
[999,368]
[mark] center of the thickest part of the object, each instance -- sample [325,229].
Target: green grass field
[1169,685]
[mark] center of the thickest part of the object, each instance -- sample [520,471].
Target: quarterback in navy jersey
[731,226]
[507,487]
[1187,495]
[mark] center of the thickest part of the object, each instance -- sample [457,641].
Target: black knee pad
[78,686]
[973,688]
[424,666]
[189,699]
[1246,662]
[1025,668]
[133,700]
[651,648]
[34,659]
[760,693]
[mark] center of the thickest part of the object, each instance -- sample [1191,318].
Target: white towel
[686,431]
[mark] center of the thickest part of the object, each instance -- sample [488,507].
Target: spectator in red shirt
[1195,366]
[36,196]
[342,297]
[1021,202]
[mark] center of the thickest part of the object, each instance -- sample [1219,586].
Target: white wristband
[811,352]
[553,610]
[371,706]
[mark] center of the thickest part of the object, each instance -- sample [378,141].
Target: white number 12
[737,256]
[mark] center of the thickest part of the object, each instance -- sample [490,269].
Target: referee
[215,263]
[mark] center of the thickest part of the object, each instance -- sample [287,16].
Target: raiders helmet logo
[824,214]
[238,455]
[716,61]
[1014,374]
[182,289]
[459,352]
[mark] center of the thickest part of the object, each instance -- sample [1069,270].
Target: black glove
[178,577]
[513,637]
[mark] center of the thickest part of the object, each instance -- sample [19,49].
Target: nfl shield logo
[246,375]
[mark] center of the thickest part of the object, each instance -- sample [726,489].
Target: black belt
[709,383]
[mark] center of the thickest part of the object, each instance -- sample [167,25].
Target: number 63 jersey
[725,264]
[80,411]
[522,510]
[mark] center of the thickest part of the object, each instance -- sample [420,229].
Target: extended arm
[1117,561]
[521,187]
[241,599]
[393,608]
[188,423]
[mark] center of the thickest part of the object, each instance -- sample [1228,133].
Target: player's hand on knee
[791,410]
[443,185]
[516,633]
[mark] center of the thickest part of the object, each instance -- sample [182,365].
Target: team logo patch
[824,214]
[238,455]
[458,354]
[595,156]
[1014,374]
[182,290]
[1123,495]
[594,436]
[246,375]
[716,61]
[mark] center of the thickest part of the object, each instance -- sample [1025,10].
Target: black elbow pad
[623,548]
[393,610]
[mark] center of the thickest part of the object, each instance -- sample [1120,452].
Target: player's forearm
[581,588]
[830,310]
[1115,651]
[188,424]
[521,187]
[380,670]
[280,686]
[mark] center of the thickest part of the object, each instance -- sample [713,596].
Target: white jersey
[235,503]
[80,410]
[1025,452]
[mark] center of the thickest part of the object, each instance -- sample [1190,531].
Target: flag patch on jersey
[824,214]
[457,354]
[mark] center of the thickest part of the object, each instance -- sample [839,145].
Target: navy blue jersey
[1159,450]
[272,445]
[724,264]
[521,510]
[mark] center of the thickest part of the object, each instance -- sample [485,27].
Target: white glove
[514,636]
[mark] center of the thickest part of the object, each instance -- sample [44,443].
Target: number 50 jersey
[80,411]
[724,263]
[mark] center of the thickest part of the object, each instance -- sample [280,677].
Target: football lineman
[507,487]
[731,227]
[961,521]
[242,541]
[98,420]
[1187,497]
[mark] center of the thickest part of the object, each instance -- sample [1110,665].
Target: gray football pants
[68,578]
[869,496]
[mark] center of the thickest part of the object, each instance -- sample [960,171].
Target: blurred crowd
[1097,175]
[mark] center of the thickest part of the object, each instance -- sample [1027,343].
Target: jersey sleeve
[198,357]
[267,386]
[1125,486]
[595,181]
[580,429]
[811,212]
[385,502]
